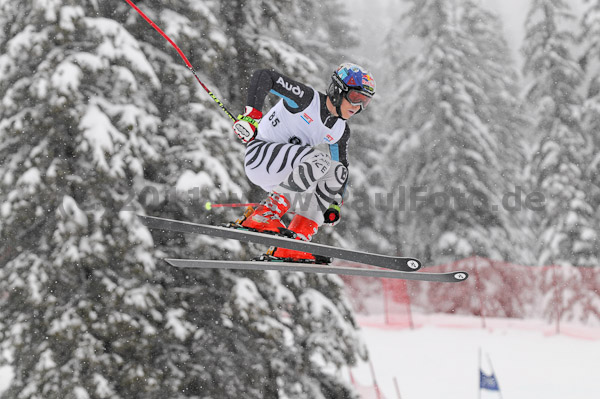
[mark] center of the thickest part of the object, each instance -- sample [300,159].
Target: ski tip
[460,276]
[414,264]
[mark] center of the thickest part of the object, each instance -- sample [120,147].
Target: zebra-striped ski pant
[308,178]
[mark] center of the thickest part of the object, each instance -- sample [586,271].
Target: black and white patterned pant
[309,178]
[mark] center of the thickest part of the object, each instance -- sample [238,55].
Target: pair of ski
[390,266]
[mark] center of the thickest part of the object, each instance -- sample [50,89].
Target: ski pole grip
[248,119]
[332,214]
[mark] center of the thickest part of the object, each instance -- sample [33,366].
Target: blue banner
[488,382]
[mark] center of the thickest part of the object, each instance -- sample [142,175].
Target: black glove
[332,214]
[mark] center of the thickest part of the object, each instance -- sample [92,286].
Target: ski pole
[209,205]
[187,62]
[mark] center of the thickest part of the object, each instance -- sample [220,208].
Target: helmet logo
[353,76]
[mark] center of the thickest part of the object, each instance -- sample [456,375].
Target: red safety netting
[494,289]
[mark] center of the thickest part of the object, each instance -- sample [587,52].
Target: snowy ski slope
[440,359]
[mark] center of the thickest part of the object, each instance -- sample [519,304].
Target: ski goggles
[356,97]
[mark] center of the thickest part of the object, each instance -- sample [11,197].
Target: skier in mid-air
[282,158]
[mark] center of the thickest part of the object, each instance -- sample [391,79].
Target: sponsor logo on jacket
[290,87]
[306,118]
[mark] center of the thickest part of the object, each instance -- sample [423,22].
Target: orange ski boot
[267,216]
[304,229]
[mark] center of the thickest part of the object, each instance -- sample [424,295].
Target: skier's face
[348,109]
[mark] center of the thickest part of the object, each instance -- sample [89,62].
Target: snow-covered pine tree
[100,119]
[566,232]
[447,151]
[301,39]
[506,117]
[590,62]
[90,118]
[73,134]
